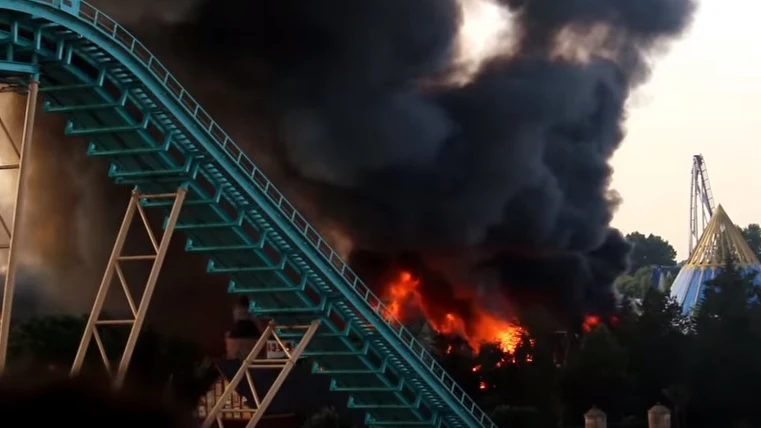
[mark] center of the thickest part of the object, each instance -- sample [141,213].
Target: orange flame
[403,292]
[590,322]
[593,321]
[399,292]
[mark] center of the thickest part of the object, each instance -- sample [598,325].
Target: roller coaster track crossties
[702,203]
[162,143]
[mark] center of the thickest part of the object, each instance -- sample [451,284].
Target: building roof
[302,393]
[721,239]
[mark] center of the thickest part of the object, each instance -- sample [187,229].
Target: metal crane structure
[161,142]
[702,203]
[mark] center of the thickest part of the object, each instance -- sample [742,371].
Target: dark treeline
[705,367]
[171,366]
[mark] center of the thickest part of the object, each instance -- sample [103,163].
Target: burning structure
[721,240]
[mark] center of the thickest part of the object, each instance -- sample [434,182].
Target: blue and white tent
[720,239]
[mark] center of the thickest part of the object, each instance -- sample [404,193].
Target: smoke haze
[508,171]
[500,180]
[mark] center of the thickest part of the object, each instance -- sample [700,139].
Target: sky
[704,97]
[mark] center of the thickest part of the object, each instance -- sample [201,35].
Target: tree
[636,285]
[158,362]
[726,371]
[524,388]
[752,234]
[656,342]
[52,340]
[650,250]
[596,375]
[728,299]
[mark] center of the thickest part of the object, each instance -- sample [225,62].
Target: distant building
[232,418]
[302,394]
[721,239]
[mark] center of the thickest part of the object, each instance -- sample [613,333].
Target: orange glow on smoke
[403,292]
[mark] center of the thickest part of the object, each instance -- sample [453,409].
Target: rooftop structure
[721,239]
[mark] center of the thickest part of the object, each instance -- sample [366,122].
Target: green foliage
[726,370]
[649,251]
[635,286]
[600,374]
[51,339]
[752,234]
[158,362]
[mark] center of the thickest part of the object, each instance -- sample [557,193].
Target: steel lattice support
[701,200]
[253,362]
[138,312]
[19,207]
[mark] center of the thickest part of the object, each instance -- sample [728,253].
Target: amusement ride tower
[717,239]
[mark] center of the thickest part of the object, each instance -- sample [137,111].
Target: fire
[399,291]
[404,292]
[590,322]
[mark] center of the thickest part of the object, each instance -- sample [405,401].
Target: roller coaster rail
[222,150]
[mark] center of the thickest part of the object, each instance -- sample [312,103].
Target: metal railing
[111,29]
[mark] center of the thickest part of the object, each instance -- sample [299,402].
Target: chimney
[242,338]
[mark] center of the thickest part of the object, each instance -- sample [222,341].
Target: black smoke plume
[512,166]
[507,173]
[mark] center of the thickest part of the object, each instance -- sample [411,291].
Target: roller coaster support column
[138,312]
[252,361]
[18,210]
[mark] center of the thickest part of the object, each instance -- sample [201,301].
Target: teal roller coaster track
[158,139]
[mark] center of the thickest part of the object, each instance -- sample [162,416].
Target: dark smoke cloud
[515,162]
[509,172]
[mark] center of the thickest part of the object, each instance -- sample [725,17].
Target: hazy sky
[704,97]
